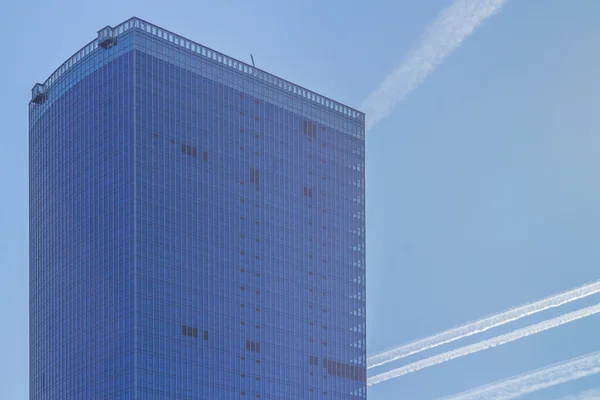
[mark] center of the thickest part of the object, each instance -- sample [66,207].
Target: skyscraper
[197,228]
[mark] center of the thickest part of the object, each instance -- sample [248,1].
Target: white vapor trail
[593,394]
[442,37]
[485,344]
[483,324]
[530,382]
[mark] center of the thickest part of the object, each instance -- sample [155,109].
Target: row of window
[193,332]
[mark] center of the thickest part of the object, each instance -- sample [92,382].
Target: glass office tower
[197,228]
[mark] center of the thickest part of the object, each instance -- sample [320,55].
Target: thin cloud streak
[454,24]
[530,382]
[593,394]
[485,344]
[483,324]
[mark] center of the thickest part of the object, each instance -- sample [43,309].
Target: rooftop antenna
[252,57]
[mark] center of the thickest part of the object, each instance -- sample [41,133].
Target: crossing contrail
[483,324]
[530,382]
[593,394]
[442,37]
[485,344]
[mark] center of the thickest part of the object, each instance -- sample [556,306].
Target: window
[309,128]
[254,176]
[252,346]
[188,150]
[189,331]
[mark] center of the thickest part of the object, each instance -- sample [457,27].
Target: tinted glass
[197,230]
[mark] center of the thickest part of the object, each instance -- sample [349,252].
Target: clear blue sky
[483,187]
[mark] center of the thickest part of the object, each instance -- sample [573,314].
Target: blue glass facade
[197,229]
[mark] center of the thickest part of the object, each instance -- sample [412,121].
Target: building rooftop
[107,37]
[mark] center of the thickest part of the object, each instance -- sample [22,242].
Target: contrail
[483,324]
[485,344]
[593,394]
[533,381]
[442,37]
